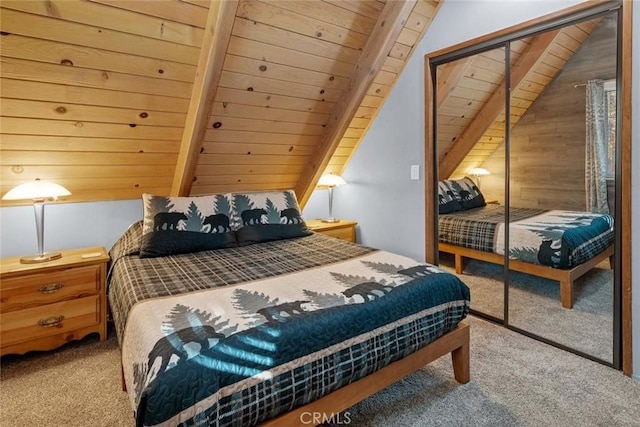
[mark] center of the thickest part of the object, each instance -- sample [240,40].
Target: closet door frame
[622,312]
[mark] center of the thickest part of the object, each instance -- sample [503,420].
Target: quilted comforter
[238,336]
[556,238]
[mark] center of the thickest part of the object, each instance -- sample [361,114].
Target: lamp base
[34,259]
[330,220]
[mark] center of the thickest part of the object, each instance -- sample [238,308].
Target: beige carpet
[534,304]
[516,381]
[76,385]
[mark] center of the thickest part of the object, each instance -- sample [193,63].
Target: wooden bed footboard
[564,276]
[455,342]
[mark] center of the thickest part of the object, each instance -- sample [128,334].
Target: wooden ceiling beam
[385,33]
[449,77]
[214,48]
[494,106]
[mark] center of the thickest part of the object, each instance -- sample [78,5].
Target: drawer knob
[51,321]
[49,289]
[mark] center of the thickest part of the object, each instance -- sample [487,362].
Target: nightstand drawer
[341,233]
[343,229]
[48,320]
[44,288]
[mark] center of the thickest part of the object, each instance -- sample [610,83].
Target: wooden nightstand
[45,305]
[345,229]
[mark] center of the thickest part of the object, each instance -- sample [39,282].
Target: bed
[275,326]
[554,244]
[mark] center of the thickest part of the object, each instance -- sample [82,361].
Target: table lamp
[38,191]
[331,181]
[478,172]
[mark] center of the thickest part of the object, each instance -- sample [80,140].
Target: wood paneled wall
[548,142]
[471,120]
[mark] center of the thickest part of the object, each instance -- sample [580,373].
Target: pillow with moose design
[467,193]
[265,216]
[177,225]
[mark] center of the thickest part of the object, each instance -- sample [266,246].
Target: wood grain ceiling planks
[387,29]
[113,98]
[218,25]
[286,66]
[414,28]
[94,95]
[471,126]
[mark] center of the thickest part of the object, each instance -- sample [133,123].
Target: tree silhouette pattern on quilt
[248,303]
[183,328]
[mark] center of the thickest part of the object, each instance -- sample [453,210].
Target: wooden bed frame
[564,276]
[455,342]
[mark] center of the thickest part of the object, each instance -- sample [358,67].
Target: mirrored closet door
[527,178]
[467,89]
[561,184]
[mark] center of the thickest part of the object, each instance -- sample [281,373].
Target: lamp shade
[479,172]
[331,180]
[36,190]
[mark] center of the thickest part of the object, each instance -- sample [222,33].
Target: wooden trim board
[455,342]
[566,277]
[625,174]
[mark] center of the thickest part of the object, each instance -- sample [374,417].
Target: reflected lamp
[330,181]
[477,173]
[38,191]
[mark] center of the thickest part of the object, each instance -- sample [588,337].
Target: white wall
[388,206]
[66,226]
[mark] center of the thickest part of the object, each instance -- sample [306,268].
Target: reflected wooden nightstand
[345,229]
[48,304]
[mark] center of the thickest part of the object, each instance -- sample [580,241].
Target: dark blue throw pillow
[447,200]
[468,193]
[265,216]
[177,225]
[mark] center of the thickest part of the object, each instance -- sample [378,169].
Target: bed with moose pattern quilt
[239,334]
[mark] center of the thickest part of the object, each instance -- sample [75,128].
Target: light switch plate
[415,172]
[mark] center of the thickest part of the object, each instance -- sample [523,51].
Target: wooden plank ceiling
[471,119]
[113,98]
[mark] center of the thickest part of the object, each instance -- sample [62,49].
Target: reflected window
[610,114]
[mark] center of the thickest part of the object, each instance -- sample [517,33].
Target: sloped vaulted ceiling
[113,98]
[471,116]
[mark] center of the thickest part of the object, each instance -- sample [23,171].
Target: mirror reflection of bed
[560,186]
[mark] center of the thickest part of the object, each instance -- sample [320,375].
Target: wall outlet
[415,172]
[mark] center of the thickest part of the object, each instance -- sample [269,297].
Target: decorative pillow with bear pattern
[467,193]
[265,216]
[447,200]
[176,225]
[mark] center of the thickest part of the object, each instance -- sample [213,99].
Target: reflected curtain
[596,148]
